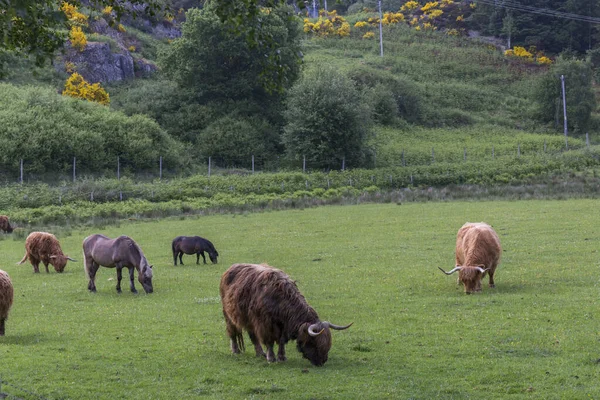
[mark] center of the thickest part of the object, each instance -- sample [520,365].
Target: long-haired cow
[267,303]
[44,247]
[5,224]
[478,253]
[6,298]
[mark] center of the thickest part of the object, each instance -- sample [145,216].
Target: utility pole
[380,30]
[564,99]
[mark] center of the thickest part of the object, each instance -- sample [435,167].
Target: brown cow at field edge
[478,253]
[5,224]
[267,303]
[44,247]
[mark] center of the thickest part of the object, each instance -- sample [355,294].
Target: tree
[580,97]
[33,27]
[217,64]
[327,120]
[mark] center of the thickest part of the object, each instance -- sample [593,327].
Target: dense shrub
[47,130]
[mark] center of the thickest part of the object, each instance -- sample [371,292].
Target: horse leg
[119,277]
[175,257]
[2,326]
[181,257]
[204,258]
[92,268]
[133,290]
[197,258]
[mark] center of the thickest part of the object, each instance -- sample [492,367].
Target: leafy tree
[217,64]
[327,120]
[580,97]
[33,27]
[549,33]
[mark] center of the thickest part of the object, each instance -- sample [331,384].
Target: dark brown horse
[193,245]
[116,253]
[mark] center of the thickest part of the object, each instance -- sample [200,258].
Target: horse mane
[137,250]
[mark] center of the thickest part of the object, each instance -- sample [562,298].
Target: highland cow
[6,299]
[5,224]
[478,253]
[44,247]
[268,305]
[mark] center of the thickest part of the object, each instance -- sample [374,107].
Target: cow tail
[239,339]
[23,260]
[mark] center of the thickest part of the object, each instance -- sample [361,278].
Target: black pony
[193,245]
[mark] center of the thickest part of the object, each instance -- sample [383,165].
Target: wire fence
[219,165]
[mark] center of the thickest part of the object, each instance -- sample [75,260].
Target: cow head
[59,261]
[470,277]
[314,341]
[145,278]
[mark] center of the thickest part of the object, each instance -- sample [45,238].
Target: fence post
[74,172]
[118,168]
[465,153]
[493,153]
[303,164]
[587,139]
[21,179]
[518,149]
[160,168]
[209,166]
[432,156]
[403,162]
[343,163]
[252,163]
[544,145]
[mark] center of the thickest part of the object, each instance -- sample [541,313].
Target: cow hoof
[281,358]
[492,285]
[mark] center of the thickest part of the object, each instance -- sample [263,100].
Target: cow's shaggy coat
[5,224]
[6,299]
[266,303]
[478,253]
[44,247]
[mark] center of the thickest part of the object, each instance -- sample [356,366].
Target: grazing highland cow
[477,253]
[5,224]
[193,245]
[6,298]
[267,303]
[44,247]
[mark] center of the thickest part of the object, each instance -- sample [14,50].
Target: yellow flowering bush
[369,35]
[520,52]
[360,24]
[73,15]
[410,6]
[429,6]
[107,10]
[543,60]
[131,48]
[460,18]
[452,32]
[70,67]
[392,18]
[121,28]
[435,13]
[78,38]
[79,88]
[328,24]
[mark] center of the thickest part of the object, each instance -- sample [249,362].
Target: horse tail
[86,266]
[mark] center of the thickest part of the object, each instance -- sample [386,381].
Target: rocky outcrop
[97,63]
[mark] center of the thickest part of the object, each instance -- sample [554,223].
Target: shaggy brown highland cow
[6,298]
[267,303]
[5,224]
[44,247]
[478,253]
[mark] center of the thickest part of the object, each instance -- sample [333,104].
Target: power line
[513,5]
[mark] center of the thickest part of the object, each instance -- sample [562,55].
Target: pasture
[415,334]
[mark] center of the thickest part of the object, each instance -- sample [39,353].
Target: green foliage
[230,68]
[48,130]
[327,120]
[580,97]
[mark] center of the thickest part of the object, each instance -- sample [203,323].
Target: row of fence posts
[160,163]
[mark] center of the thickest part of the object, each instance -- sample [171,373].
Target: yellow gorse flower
[77,37]
[77,87]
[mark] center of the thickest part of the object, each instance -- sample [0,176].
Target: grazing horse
[193,245]
[116,253]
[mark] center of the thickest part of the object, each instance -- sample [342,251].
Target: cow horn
[482,270]
[457,268]
[69,258]
[311,329]
[337,327]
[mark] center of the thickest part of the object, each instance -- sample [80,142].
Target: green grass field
[415,334]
